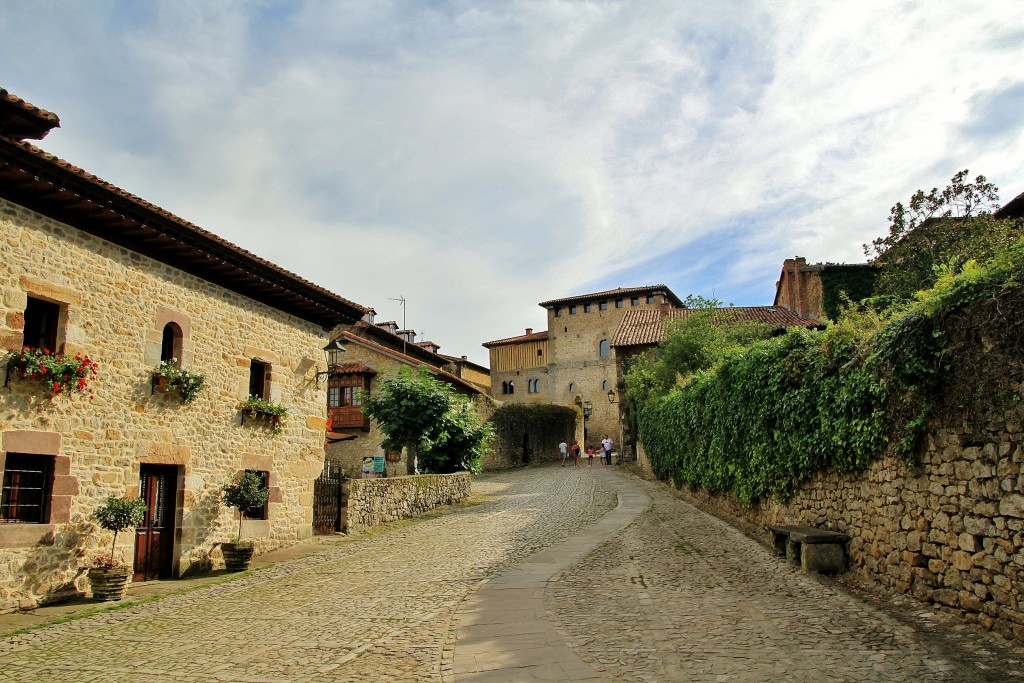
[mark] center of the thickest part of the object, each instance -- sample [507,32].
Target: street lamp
[332,354]
[611,396]
[588,408]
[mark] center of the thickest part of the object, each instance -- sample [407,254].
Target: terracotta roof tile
[613,293]
[189,228]
[412,361]
[1013,208]
[647,327]
[20,120]
[536,336]
[354,367]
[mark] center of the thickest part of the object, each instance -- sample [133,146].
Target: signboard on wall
[373,467]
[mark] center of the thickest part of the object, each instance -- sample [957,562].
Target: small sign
[373,467]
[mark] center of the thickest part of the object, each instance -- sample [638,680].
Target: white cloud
[480,157]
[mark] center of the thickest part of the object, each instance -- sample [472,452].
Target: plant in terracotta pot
[108,576]
[249,492]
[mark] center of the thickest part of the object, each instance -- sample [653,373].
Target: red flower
[56,387]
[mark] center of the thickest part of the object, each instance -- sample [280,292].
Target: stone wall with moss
[372,502]
[114,304]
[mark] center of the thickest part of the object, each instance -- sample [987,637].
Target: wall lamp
[332,354]
[611,396]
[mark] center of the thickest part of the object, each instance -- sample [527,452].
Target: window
[540,352]
[28,483]
[602,306]
[634,301]
[345,395]
[619,303]
[170,347]
[260,512]
[572,310]
[41,323]
[572,388]
[558,312]
[587,308]
[604,385]
[259,379]
[650,298]
[531,386]
[511,387]
[504,388]
[603,348]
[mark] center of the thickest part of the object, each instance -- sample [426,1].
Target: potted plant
[108,576]
[58,372]
[248,493]
[259,408]
[185,383]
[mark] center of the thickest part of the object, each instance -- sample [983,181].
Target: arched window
[572,388]
[511,387]
[170,347]
[603,348]
[604,385]
[504,387]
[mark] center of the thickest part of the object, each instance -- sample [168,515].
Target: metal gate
[328,499]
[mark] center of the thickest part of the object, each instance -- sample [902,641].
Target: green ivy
[544,426]
[771,414]
[841,283]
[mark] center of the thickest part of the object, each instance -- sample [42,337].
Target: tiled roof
[646,327]
[613,293]
[447,376]
[354,367]
[1013,208]
[536,336]
[50,185]
[21,120]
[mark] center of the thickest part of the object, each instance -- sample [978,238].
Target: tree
[459,441]
[408,407]
[939,230]
[248,493]
[957,200]
[117,515]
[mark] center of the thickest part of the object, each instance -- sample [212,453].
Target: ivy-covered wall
[856,281]
[528,434]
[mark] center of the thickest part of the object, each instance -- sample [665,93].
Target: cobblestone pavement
[379,608]
[681,596]
[676,596]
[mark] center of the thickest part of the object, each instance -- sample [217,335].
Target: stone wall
[371,502]
[948,532]
[114,303]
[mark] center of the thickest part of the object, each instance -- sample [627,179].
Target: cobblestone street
[676,596]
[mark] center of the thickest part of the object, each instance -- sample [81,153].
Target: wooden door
[154,538]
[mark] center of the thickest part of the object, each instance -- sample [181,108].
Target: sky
[477,158]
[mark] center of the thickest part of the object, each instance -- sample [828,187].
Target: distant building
[816,291]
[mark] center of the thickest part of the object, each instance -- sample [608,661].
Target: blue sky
[479,157]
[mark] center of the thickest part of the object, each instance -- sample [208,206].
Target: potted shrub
[108,576]
[248,493]
[183,382]
[262,409]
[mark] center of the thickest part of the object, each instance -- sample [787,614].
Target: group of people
[577,452]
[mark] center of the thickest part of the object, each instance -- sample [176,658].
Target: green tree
[458,441]
[409,407]
[117,515]
[248,493]
[937,230]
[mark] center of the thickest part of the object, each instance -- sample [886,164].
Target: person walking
[590,456]
[606,446]
[575,453]
[563,449]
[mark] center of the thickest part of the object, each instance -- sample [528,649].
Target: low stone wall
[371,502]
[948,532]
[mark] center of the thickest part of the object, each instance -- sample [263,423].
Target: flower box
[56,372]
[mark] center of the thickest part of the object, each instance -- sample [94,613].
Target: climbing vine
[540,426]
[841,283]
[770,414]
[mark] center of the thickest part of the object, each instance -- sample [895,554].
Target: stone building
[573,362]
[373,352]
[87,269]
[817,291]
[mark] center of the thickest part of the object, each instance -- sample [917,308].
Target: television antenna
[401,302]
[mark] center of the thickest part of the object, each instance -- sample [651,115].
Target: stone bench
[816,550]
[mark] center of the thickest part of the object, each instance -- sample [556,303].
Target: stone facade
[115,302]
[365,440]
[372,502]
[576,362]
[950,532]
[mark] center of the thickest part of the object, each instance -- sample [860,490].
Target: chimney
[529,331]
[464,358]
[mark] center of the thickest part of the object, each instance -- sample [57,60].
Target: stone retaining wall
[372,502]
[948,532]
